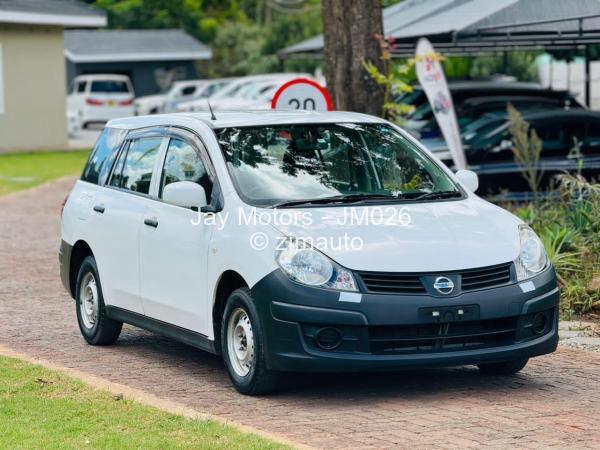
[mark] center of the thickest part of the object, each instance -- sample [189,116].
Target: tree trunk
[349,28]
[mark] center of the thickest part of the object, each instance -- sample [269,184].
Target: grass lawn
[40,408]
[24,170]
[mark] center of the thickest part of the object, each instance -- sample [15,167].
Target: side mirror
[468,179]
[186,194]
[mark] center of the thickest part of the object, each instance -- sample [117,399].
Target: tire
[96,327]
[503,368]
[247,368]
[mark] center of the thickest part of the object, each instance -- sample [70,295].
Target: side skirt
[157,326]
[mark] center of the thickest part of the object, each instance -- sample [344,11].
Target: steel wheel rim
[88,300]
[240,342]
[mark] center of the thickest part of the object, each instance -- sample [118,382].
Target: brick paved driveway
[555,401]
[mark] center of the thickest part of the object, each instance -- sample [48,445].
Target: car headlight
[305,265]
[532,256]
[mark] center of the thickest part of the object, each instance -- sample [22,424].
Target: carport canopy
[471,27]
[459,27]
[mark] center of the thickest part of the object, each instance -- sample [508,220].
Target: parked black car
[571,142]
[474,108]
[463,91]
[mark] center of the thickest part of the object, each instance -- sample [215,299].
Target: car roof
[562,113]
[504,85]
[189,82]
[500,85]
[227,119]
[537,116]
[476,101]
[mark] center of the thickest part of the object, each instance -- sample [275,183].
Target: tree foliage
[244,34]
[394,81]
[521,65]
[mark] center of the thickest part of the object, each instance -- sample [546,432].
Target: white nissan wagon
[300,241]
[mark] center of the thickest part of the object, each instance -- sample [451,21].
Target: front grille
[392,283]
[440,337]
[485,278]
[412,283]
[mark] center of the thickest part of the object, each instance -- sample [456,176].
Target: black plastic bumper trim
[299,313]
[157,326]
[64,259]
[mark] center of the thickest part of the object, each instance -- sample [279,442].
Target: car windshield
[274,165]
[233,89]
[108,86]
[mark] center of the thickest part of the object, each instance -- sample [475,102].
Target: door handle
[99,209]
[151,222]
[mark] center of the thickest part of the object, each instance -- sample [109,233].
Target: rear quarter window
[103,156]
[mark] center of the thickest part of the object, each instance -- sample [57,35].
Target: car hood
[441,235]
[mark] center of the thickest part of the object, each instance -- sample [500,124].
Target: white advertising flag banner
[433,81]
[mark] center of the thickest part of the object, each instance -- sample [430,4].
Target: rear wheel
[96,327]
[503,368]
[242,346]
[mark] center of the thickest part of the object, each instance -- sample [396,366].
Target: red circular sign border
[303,81]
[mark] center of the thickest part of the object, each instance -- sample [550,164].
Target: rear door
[118,217]
[174,243]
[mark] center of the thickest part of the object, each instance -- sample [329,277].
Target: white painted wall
[33,93]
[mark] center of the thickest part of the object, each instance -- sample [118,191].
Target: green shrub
[569,227]
[526,148]
[564,256]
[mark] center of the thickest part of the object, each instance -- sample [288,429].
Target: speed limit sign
[302,93]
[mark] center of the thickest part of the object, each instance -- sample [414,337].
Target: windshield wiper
[350,198]
[437,195]
[357,198]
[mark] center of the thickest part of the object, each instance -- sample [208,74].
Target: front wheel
[503,368]
[96,327]
[242,346]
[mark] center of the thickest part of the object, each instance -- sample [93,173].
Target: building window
[1,83]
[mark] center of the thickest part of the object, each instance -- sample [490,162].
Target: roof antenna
[212,114]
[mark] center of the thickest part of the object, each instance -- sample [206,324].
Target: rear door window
[109,87]
[591,143]
[559,136]
[575,132]
[189,90]
[136,164]
[103,156]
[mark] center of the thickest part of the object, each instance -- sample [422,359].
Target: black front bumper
[386,332]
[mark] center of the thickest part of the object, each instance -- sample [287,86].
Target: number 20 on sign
[302,93]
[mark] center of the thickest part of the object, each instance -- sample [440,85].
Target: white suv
[300,241]
[100,98]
